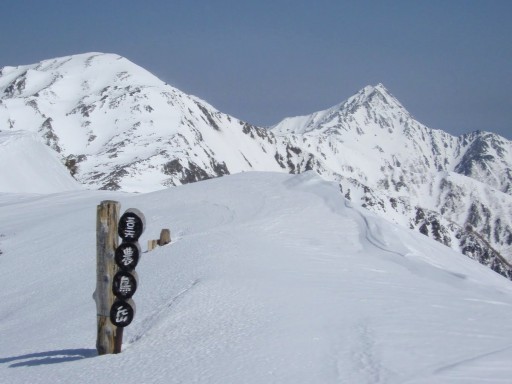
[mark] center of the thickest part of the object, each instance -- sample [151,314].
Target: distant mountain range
[116,126]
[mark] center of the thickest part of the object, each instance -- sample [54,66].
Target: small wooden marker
[152,244]
[165,237]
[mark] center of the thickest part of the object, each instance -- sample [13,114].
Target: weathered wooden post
[165,237]
[116,280]
[131,226]
[152,244]
[106,244]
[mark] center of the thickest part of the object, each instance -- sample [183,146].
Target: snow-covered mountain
[269,278]
[116,126]
[457,190]
[119,127]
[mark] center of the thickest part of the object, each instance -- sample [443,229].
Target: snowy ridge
[116,126]
[269,278]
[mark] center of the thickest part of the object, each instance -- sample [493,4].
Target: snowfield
[270,278]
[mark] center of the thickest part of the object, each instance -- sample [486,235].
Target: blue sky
[448,62]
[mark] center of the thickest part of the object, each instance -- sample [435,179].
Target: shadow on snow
[48,357]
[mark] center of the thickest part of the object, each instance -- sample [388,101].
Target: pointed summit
[375,98]
[371,106]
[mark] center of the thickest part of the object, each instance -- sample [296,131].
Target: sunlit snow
[270,278]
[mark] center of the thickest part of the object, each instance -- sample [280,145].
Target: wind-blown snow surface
[270,278]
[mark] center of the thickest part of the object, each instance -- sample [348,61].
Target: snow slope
[270,278]
[28,165]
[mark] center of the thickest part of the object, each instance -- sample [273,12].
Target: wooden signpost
[116,280]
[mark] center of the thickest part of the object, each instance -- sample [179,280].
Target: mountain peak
[63,76]
[372,105]
[375,88]
[376,96]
